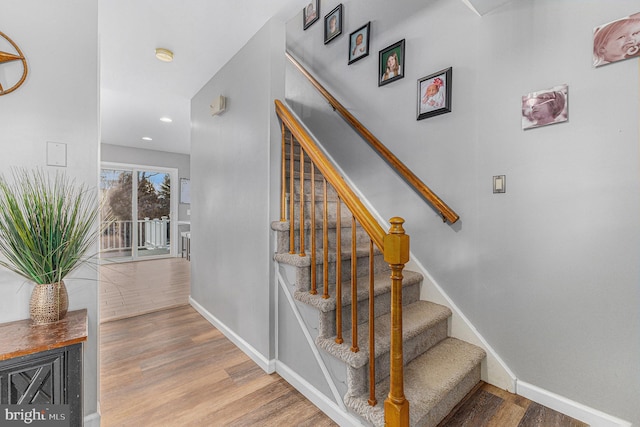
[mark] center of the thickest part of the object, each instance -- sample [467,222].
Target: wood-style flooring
[173,368]
[134,288]
[489,406]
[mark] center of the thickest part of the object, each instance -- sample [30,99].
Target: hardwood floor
[489,406]
[133,288]
[172,368]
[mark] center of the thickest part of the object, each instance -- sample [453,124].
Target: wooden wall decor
[9,57]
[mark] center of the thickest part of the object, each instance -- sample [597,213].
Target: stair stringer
[334,371]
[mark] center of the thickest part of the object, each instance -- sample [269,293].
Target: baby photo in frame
[434,94]
[333,24]
[391,63]
[545,107]
[359,43]
[617,40]
[310,14]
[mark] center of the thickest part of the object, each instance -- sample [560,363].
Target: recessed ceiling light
[146,138]
[166,119]
[164,54]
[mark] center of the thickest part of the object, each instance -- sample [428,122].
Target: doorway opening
[138,205]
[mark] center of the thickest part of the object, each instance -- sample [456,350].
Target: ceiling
[136,89]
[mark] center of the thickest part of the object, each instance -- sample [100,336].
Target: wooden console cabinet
[42,364]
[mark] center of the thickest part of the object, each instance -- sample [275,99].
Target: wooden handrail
[446,212]
[357,208]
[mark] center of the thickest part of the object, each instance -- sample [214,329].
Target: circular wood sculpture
[9,57]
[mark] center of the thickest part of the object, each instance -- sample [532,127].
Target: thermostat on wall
[218,105]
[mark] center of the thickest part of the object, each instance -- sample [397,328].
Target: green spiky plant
[47,224]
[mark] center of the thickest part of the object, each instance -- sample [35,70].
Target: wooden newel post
[396,253]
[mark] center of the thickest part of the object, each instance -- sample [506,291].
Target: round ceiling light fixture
[164,55]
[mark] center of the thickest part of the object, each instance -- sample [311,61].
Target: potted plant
[47,225]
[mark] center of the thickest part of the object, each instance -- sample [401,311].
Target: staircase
[439,371]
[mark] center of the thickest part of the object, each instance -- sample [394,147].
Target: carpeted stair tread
[307,175]
[305,261]
[331,225]
[381,284]
[416,319]
[432,384]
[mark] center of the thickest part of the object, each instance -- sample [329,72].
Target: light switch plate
[500,184]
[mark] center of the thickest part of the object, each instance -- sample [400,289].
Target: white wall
[548,272]
[58,102]
[233,200]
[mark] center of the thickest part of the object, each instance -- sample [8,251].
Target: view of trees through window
[153,202]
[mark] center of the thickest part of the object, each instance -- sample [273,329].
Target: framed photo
[434,94]
[616,40]
[391,63]
[545,107]
[333,24]
[359,43]
[310,14]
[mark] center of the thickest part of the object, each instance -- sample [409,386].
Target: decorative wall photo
[545,107]
[359,43]
[310,14]
[434,94]
[391,63]
[616,40]
[333,24]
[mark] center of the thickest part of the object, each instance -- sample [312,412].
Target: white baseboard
[92,420]
[269,366]
[576,410]
[326,405]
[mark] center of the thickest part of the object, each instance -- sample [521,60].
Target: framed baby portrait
[310,14]
[434,94]
[617,40]
[545,107]
[359,43]
[333,24]
[391,63]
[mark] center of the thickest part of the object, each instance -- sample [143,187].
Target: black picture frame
[357,51]
[432,103]
[310,14]
[333,24]
[386,76]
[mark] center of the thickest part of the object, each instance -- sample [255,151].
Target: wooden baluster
[314,289]
[302,202]
[396,253]
[325,243]
[354,289]
[339,339]
[292,230]
[283,177]
[372,334]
